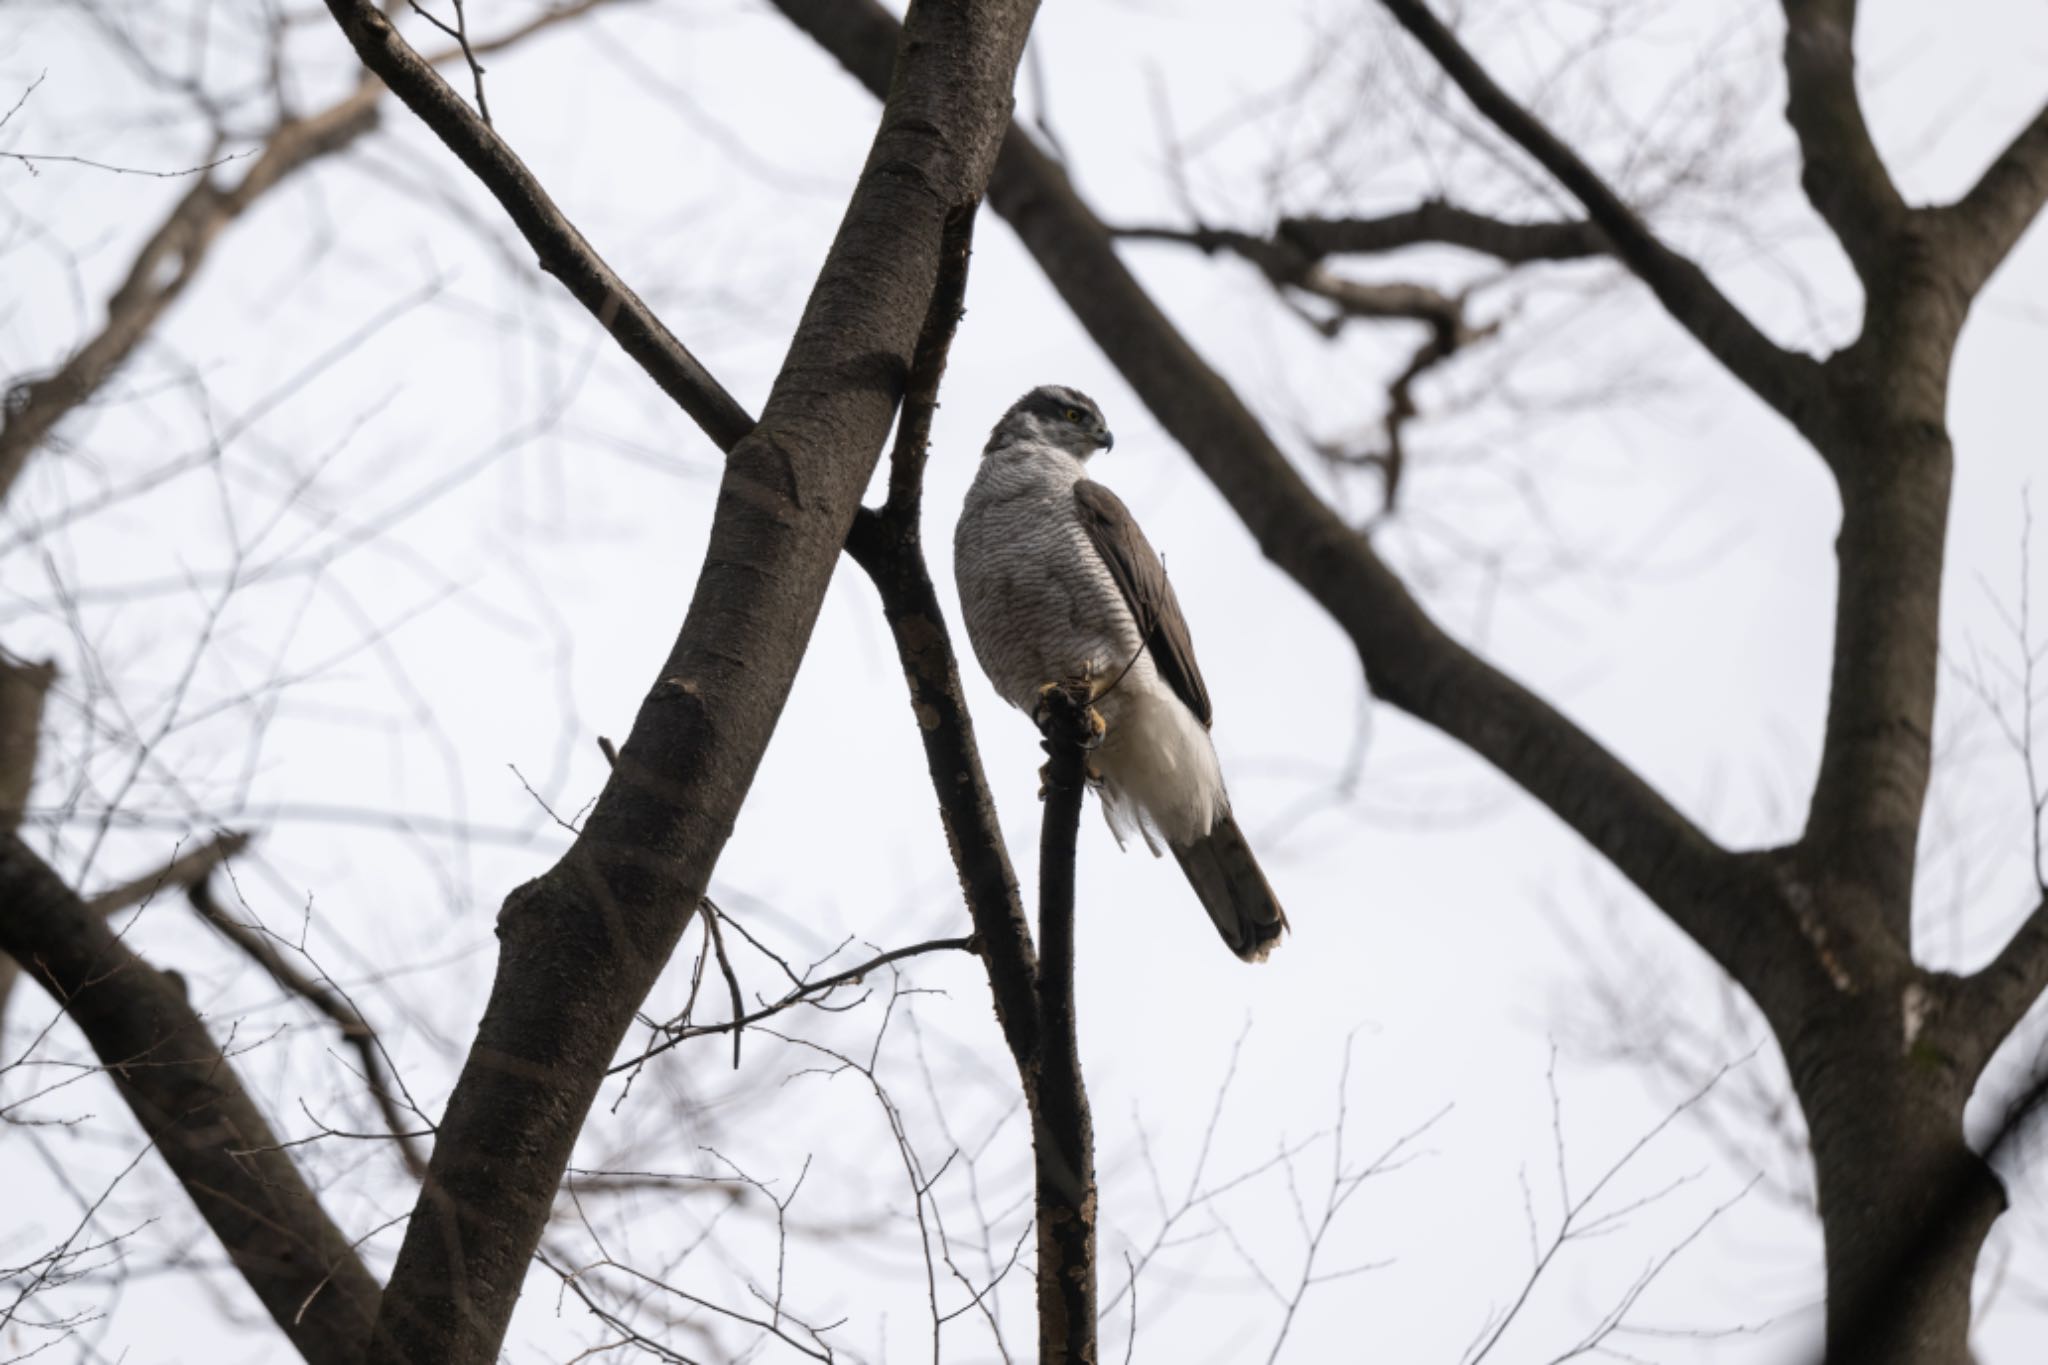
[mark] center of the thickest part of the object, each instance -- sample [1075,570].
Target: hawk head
[1054,415]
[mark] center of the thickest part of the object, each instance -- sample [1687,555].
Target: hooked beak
[1108,441]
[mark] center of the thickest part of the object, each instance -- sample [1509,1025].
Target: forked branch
[1986,223]
[562,250]
[1407,656]
[189,1100]
[1788,381]
[1843,175]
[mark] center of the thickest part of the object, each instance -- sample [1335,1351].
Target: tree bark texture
[581,945]
[1905,1204]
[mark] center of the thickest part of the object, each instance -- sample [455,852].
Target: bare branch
[562,250]
[186,1096]
[171,257]
[23,686]
[1288,266]
[1408,658]
[1062,1132]
[1434,222]
[803,994]
[1988,222]
[167,262]
[889,545]
[30,160]
[1844,177]
[1786,380]
[185,870]
[325,997]
[1999,995]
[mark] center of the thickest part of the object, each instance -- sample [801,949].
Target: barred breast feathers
[1041,605]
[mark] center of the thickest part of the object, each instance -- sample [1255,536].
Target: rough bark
[582,944]
[1905,1204]
[1863,823]
[190,1102]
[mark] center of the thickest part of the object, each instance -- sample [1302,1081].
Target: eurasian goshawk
[1058,584]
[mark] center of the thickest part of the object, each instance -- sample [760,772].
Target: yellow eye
[1073,414]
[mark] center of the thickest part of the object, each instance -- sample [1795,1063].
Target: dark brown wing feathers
[1142,579]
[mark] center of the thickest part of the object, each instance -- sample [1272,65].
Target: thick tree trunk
[1905,1203]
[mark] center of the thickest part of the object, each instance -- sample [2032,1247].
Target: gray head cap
[1054,415]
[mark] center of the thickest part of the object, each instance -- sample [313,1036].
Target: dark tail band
[1234,891]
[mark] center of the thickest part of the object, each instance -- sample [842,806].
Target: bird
[1059,586]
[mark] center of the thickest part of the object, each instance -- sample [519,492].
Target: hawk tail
[1226,876]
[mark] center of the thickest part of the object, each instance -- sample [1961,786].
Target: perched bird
[1059,585]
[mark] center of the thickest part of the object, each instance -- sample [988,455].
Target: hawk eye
[1073,414]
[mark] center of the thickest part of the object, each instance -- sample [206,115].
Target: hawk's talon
[1043,715]
[1097,729]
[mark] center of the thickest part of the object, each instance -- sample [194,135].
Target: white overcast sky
[1608,516]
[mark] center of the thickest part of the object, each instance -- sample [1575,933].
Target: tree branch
[562,250]
[1988,222]
[1434,222]
[801,994]
[23,688]
[1289,267]
[171,257]
[1998,996]
[1843,175]
[323,997]
[1407,657]
[182,871]
[1062,1132]
[889,546]
[1789,382]
[582,944]
[187,1097]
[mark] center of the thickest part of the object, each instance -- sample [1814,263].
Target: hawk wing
[1142,579]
